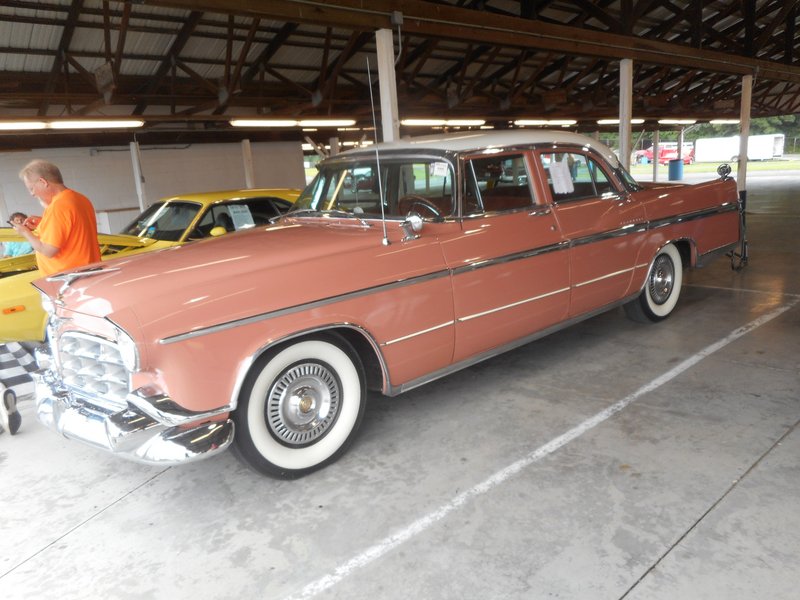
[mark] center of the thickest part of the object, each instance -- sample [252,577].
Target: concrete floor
[612,460]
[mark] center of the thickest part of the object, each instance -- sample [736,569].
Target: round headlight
[128,351]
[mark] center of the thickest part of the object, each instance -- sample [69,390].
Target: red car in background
[665,154]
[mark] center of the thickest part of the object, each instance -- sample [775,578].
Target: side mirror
[217,231]
[412,226]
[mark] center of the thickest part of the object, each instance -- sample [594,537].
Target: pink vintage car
[461,247]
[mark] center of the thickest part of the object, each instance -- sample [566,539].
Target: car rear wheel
[662,288]
[300,407]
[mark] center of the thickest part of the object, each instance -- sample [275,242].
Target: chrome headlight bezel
[127,349]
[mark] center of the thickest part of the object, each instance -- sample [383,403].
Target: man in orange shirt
[67,233]
[65,238]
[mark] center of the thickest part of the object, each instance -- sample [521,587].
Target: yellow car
[169,222]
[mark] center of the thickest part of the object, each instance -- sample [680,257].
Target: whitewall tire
[662,288]
[300,407]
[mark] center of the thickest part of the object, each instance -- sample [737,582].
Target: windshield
[421,185]
[165,221]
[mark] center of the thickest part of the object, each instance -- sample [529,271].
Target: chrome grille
[92,367]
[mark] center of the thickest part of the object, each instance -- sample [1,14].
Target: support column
[390,119]
[333,144]
[741,176]
[744,133]
[625,110]
[656,142]
[138,176]
[247,157]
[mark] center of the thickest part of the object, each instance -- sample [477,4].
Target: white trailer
[759,147]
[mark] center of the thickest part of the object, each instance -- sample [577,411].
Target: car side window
[497,183]
[575,176]
[421,184]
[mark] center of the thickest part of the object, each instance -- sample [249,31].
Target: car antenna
[377,156]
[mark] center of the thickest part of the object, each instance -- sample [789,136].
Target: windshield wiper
[335,212]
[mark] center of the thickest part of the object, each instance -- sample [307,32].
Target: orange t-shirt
[69,224]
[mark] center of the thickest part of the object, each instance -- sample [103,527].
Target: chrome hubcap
[303,403]
[662,279]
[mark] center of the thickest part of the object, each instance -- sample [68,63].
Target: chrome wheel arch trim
[649,265]
[247,364]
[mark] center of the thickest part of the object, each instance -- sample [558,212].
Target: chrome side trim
[417,333]
[301,307]
[607,235]
[510,258]
[601,278]
[700,214]
[512,305]
[410,385]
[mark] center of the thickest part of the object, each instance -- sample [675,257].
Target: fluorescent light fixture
[677,121]
[97,124]
[263,123]
[724,121]
[544,122]
[443,122]
[423,122]
[616,121]
[327,123]
[306,123]
[70,124]
[465,122]
[21,125]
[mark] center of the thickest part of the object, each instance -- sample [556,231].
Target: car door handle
[540,212]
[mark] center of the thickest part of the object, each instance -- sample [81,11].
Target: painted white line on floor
[387,544]
[732,289]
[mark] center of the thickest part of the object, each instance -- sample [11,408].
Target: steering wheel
[420,202]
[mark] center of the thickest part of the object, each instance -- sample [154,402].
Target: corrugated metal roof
[318,66]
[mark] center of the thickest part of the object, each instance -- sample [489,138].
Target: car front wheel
[662,288]
[300,407]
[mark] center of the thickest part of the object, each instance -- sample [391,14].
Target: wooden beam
[439,20]
[61,53]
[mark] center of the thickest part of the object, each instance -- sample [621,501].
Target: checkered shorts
[16,364]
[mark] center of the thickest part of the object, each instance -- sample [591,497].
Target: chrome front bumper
[131,433]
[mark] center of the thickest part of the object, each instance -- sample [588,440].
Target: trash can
[676,169]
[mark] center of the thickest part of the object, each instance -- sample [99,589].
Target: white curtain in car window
[562,179]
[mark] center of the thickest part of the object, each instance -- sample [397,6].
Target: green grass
[753,165]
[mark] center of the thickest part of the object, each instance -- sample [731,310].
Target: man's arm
[38,245]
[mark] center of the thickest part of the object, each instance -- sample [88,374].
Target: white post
[247,157]
[656,141]
[390,120]
[744,132]
[138,175]
[625,110]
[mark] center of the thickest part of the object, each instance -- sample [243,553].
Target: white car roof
[480,140]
